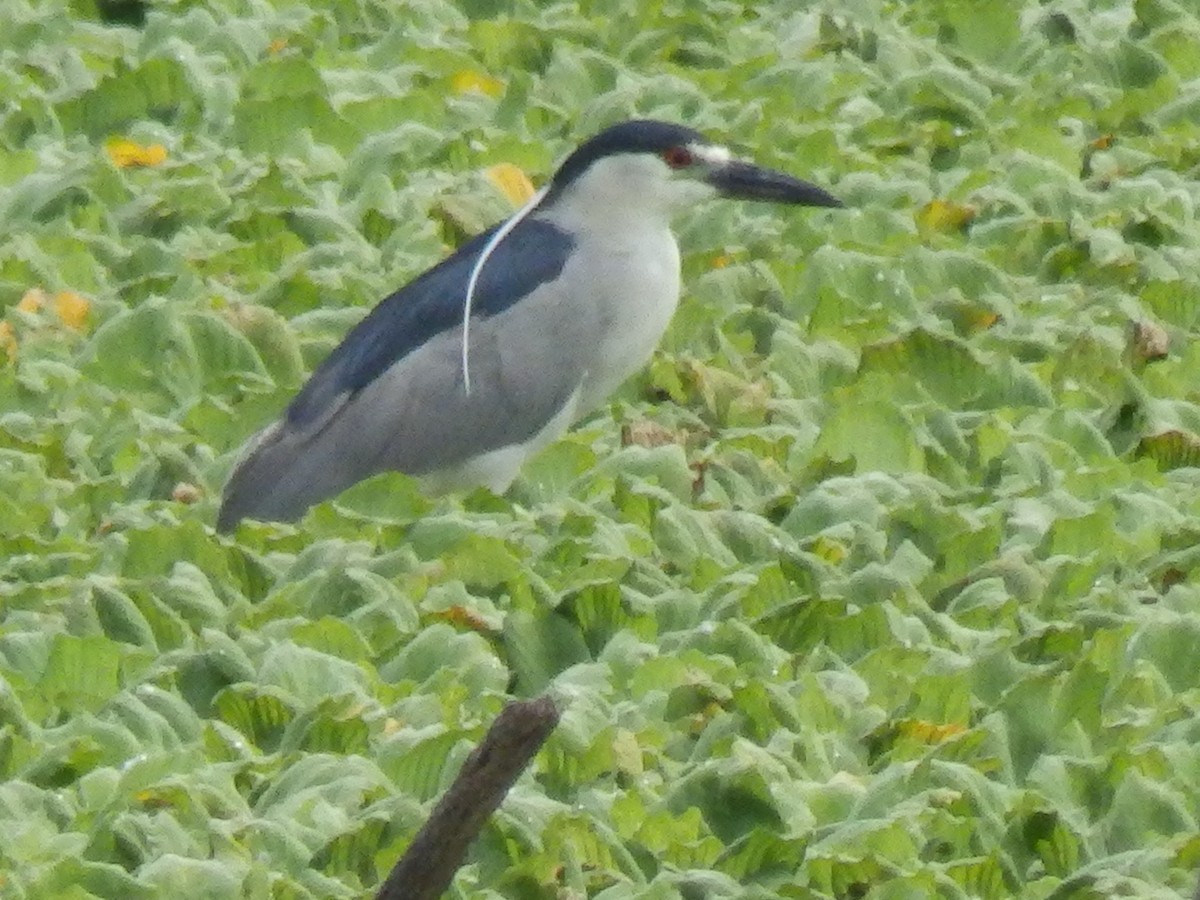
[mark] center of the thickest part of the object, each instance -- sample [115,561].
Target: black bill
[745,181]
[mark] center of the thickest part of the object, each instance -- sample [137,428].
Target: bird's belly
[634,293]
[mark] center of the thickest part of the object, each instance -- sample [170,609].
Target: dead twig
[429,864]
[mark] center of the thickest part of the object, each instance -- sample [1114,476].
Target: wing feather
[391,395]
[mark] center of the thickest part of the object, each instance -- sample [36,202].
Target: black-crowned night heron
[474,366]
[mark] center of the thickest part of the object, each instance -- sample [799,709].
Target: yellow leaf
[277,46]
[928,732]
[32,300]
[980,319]
[464,81]
[647,433]
[942,215]
[72,309]
[8,341]
[829,550]
[465,618]
[126,153]
[511,182]
[627,753]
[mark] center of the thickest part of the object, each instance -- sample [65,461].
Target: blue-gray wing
[532,254]
[391,395]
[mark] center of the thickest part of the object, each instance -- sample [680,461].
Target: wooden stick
[428,866]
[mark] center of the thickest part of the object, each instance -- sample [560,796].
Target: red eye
[678,157]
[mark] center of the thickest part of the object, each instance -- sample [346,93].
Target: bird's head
[660,166]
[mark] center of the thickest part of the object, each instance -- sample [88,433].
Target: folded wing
[391,395]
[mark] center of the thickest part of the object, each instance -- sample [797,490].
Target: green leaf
[157,88]
[275,345]
[120,617]
[483,561]
[281,124]
[147,350]
[422,762]
[423,660]
[81,673]
[947,369]
[873,433]
[539,645]
[261,715]
[1171,449]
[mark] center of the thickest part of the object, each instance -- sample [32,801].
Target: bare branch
[428,866]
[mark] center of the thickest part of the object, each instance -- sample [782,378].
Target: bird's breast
[628,289]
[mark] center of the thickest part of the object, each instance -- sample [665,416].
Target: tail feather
[278,477]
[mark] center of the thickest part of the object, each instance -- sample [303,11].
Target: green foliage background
[890,590]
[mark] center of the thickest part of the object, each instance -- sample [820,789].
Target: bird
[484,359]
